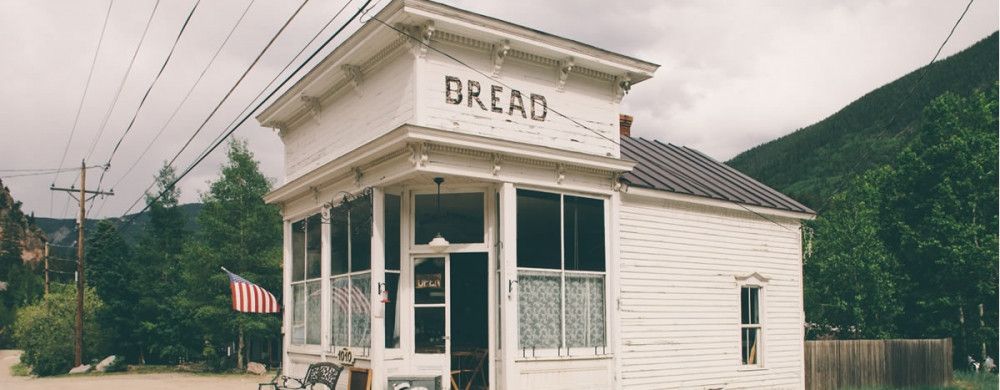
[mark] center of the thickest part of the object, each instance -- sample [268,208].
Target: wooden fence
[837,364]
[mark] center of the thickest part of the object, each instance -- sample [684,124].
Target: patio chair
[325,373]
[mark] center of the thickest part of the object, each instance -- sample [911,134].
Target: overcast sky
[733,74]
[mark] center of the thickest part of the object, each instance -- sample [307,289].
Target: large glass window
[306,296]
[459,217]
[350,271]
[561,272]
[750,326]
[392,253]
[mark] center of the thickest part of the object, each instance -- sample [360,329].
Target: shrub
[44,330]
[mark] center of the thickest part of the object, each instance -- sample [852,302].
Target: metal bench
[324,373]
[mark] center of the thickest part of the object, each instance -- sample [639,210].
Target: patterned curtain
[361,312]
[584,310]
[539,306]
[313,312]
[339,292]
[298,314]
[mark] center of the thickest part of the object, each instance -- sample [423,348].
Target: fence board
[837,364]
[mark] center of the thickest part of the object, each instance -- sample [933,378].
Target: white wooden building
[459,191]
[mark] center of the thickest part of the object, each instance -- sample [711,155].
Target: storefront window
[350,270]
[306,296]
[392,253]
[561,296]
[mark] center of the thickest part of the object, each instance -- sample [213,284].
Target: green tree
[111,273]
[162,329]
[242,233]
[44,330]
[20,283]
[941,222]
[851,280]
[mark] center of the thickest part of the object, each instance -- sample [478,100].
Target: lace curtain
[585,310]
[539,306]
[313,312]
[298,314]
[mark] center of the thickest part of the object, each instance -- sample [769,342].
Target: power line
[245,118]
[86,87]
[892,119]
[142,101]
[47,172]
[221,102]
[235,85]
[186,96]
[121,85]
[151,85]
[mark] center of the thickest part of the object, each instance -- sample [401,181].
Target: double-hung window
[750,326]
[350,273]
[561,273]
[306,273]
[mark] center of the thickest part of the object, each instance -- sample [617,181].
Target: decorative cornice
[498,54]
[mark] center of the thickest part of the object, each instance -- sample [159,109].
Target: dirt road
[122,381]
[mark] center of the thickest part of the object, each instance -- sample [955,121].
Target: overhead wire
[186,96]
[121,84]
[232,129]
[145,96]
[892,119]
[83,98]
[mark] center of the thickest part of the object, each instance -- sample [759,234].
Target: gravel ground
[171,381]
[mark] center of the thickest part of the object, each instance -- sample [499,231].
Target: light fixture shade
[438,243]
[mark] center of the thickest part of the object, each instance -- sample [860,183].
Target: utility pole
[78,334]
[46,268]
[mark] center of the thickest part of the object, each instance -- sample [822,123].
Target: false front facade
[460,203]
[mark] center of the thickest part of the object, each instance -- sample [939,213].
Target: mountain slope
[63,231]
[811,163]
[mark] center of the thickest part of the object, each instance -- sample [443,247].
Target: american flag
[249,297]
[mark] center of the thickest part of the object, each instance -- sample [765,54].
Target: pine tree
[242,233]
[112,274]
[162,328]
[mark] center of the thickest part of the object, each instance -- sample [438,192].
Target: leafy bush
[44,330]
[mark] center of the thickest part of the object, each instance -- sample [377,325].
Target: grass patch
[20,369]
[963,380]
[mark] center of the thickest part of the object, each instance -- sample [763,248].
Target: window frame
[758,282]
[360,351]
[564,351]
[410,234]
[305,281]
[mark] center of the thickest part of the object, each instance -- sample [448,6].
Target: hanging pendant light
[439,243]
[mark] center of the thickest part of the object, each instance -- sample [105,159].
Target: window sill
[751,368]
[563,358]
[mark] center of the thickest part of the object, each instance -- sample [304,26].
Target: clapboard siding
[679,301]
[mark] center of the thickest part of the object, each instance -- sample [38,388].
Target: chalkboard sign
[359,379]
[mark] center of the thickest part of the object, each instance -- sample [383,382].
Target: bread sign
[498,101]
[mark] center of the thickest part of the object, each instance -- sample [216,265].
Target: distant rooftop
[683,170]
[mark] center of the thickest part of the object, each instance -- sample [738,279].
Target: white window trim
[416,248]
[760,282]
[563,351]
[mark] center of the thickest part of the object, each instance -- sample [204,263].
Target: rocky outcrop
[14,223]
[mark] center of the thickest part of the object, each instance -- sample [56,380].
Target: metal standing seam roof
[683,170]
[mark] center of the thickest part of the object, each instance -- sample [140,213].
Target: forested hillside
[22,247]
[811,163]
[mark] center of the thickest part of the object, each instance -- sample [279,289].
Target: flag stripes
[249,297]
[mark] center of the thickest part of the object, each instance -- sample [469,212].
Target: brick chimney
[625,125]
